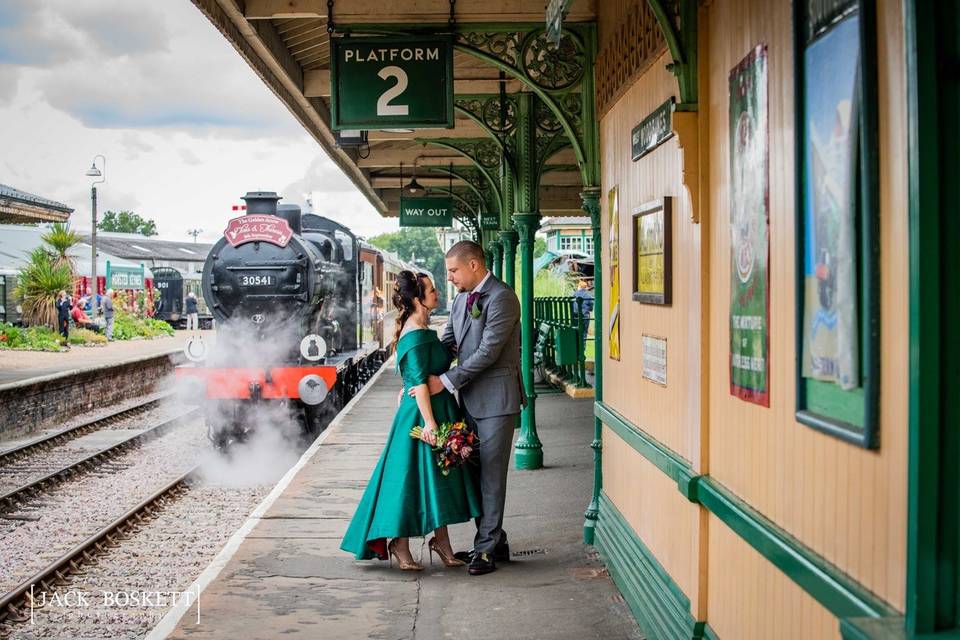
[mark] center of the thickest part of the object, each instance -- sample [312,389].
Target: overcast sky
[186,126]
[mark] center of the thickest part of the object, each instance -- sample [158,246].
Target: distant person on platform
[63,314]
[106,308]
[586,308]
[193,313]
[81,319]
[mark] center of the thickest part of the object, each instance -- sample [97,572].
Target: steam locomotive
[299,305]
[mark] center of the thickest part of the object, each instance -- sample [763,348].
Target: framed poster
[652,253]
[613,241]
[837,221]
[749,230]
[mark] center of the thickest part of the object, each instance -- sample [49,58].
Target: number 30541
[253,281]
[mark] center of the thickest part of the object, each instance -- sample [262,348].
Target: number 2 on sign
[384,108]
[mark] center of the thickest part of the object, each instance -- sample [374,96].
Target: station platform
[21,366]
[283,575]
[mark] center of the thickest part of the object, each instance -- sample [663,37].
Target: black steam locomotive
[285,290]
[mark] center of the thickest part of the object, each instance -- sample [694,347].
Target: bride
[407,495]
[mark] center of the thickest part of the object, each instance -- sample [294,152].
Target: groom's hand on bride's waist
[434,385]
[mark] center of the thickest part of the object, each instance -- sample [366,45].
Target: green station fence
[561,337]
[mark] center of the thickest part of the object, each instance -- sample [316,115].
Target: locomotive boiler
[284,289]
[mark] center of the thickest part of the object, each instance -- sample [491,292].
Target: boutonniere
[473,305]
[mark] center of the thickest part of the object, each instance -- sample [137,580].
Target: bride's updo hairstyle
[408,286]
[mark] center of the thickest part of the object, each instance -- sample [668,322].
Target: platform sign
[391,82]
[489,221]
[121,278]
[426,212]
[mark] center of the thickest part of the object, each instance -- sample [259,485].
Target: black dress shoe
[482,563]
[501,553]
[466,556]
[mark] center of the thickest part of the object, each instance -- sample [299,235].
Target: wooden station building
[768,184]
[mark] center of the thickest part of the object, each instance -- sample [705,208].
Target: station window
[837,220]
[570,243]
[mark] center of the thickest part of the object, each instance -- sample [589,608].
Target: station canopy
[288,44]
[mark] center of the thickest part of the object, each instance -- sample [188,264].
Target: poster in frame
[837,232]
[613,240]
[652,252]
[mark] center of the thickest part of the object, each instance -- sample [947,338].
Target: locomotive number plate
[257,281]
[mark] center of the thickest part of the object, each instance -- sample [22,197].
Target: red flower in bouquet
[455,443]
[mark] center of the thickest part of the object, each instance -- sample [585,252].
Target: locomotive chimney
[262,202]
[291,213]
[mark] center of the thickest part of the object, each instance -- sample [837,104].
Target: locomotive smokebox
[291,213]
[262,202]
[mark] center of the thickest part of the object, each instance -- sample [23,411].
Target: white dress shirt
[443,377]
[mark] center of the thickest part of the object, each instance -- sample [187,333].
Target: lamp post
[94,172]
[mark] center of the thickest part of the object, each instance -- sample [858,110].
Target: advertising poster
[830,295]
[613,224]
[749,230]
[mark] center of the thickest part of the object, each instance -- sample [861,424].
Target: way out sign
[391,82]
[426,212]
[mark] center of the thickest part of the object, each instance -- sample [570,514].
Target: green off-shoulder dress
[407,496]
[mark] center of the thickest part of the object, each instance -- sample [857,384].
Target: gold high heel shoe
[448,561]
[404,565]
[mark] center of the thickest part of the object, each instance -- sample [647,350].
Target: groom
[484,333]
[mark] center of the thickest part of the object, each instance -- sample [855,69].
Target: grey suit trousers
[496,442]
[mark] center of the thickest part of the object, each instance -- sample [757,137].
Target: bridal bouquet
[456,442]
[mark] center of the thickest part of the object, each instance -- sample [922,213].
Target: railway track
[19,602]
[14,498]
[9,456]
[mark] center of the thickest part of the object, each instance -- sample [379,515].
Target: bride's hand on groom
[434,385]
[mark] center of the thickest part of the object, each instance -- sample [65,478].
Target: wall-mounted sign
[489,221]
[749,230]
[426,212]
[655,359]
[652,131]
[258,228]
[652,252]
[392,82]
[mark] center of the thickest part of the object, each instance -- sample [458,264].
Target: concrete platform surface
[18,366]
[288,578]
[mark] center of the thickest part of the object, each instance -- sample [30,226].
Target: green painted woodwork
[832,588]
[528,451]
[933,159]
[473,179]
[660,606]
[401,81]
[591,205]
[680,33]
[508,240]
[494,246]
[709,633]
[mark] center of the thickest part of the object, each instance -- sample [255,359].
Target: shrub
[30,339]
[127,326]
[86,337]
[38,283]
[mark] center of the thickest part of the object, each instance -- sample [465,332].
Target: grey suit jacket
[488,352]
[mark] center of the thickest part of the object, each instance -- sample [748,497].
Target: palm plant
[61,239]
[38,284]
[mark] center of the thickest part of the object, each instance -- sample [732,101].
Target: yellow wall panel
[671,413]
[847,503]
[750,599]
[666,522]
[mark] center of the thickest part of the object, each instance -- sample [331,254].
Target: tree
[60,240]
[127,222]
[38,283]
[417,244]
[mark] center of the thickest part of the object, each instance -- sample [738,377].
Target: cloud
[189,157]
[9,80]
[34,35]
[322,175]
[120,29]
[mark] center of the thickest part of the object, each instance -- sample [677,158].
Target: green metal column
[591,204]
[529,450]
[497,251]
[526,219]
[508,240]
